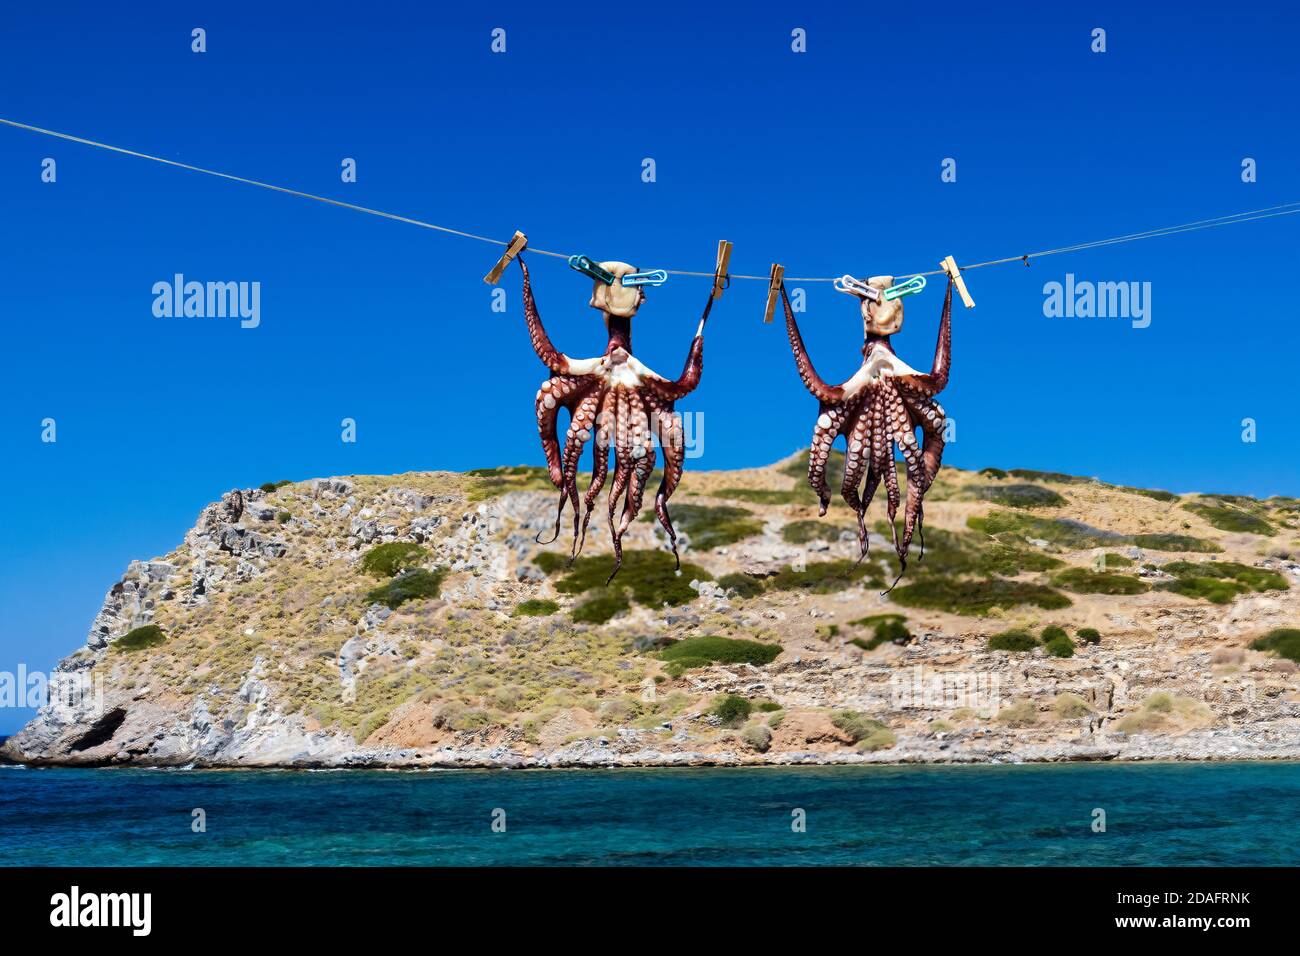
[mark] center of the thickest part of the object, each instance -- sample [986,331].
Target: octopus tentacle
[691,371]
[562,391]
[668,424]
[551,357]
[882,455]
[829,425]
[643,454]
[600,465]
[622,471]
[928,415]
[904,431]
[855,463]
[892,407]
[580,425]
[937,380]
[826,394]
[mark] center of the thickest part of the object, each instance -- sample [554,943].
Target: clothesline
[1285,209]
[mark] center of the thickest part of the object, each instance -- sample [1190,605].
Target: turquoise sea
[1172,814]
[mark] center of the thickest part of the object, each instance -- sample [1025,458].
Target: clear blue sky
[827,161]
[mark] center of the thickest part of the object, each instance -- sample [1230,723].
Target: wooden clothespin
[720,273]
[515,246]
[774,290]
[949,265]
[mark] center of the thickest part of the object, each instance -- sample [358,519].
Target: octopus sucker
[668,425]
[620,402]
[878,411]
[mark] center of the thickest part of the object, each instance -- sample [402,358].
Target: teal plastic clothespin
[584,265]
[653,277]
[910,287]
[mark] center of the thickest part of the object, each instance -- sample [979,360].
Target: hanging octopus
[622,403]
[881,406]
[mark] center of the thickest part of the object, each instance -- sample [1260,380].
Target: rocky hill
[412,620]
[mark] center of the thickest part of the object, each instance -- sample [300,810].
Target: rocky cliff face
[413,621]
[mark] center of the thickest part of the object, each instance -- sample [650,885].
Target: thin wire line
[1268,212]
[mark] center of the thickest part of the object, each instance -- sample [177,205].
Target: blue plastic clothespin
[910,287]
[653,277]
[584,265]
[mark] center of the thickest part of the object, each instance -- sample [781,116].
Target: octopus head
[617,299]
[881,318]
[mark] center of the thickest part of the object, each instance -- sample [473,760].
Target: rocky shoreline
[269,639]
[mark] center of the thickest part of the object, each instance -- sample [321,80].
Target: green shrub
[1175,542]
[618,711]
[1257,579]
[884,627]
[282,517]
[857,726]
[879,739]
[709,649]
[535,607]
[1159,702]
[1053,476]
[272,486]
[1020,714]
[757,737]
[1068,706]
[1219,581]
[1009,561]
[798,468]
[1089,635]
[387,560]
[140,638]
[1060,646]
[993,473]
[810,529]
[681,665]
[1283,641]
[1018,496]
[1075,535]
[601,605]
[762,496]
[408,586]
[766,706]
[1083,581]
[1149,493]
[1227,518]
[651,576]
[1013,640]
[1063,532]
[550,561]
[973,598]
[1158,707]
[742,585]
[1051,632]
[714,526]
[1112,560]
[1140,722]
[1214,590]
[459,717]
[492,482]
[731,709]
[824,577]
